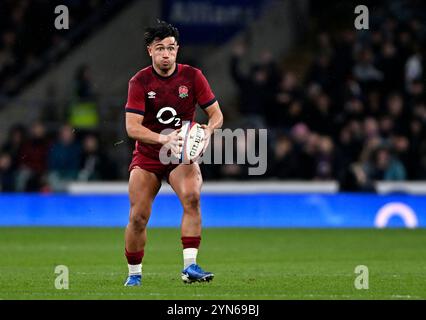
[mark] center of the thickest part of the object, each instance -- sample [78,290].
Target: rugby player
[163,96]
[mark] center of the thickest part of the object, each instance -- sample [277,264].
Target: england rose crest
[183,92]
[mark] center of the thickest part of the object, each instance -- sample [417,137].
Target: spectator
[95,164]
[397,112]
[7,175]
[348,149]
[284,161]
[401,149]
[304,148]
[294,114]
[374,107]
[256,88]
[15,141]
[414,67]
[416,92]
[287,103]
[416,137]
[83,111]
[355,179]
[34,151]
[83,84]
[365,71]
[421,168]
[321,73]
[391,66]
[384,166]
[33,159]
[321,115]
[325,159]
[64,159]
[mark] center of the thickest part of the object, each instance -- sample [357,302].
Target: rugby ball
[193,142]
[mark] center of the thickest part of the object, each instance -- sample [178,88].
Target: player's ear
[149,50]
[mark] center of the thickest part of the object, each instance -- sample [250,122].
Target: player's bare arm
[215,121]
[137,131]
[215,117]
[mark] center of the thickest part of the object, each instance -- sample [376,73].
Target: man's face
[163,53]
[383,159]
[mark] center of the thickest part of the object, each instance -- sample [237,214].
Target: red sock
[191,242]
[134,257]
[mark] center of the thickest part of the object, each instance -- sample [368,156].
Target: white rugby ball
[193,142]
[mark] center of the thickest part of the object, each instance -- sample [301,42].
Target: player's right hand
[173,141]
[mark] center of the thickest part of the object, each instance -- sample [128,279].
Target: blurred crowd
[36,159]
[26,44]
[357,116]
[56,150]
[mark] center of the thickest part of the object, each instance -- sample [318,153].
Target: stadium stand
[355,115]
[358,114]
[28,47]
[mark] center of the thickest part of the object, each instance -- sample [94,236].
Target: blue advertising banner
[210,21]
[221,210]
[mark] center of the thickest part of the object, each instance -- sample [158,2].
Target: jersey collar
[163,77]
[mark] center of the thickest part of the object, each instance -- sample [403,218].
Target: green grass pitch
[248,264]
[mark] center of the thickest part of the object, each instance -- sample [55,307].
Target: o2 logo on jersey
[168,110]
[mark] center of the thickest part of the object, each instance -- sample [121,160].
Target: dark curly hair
[160,31]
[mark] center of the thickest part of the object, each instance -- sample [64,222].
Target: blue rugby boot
[134,280]
[194,273]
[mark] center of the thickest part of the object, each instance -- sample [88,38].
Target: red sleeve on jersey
[136,97]
[203,92]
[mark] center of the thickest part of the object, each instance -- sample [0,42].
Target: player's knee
[191,201]
[138,221]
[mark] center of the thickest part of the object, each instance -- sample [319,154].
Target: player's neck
[161,73]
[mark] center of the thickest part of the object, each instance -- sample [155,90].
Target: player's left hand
[207,134]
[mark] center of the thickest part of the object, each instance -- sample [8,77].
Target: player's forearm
[144,135]
[215,121]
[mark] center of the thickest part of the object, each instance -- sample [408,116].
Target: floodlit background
[345,110]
